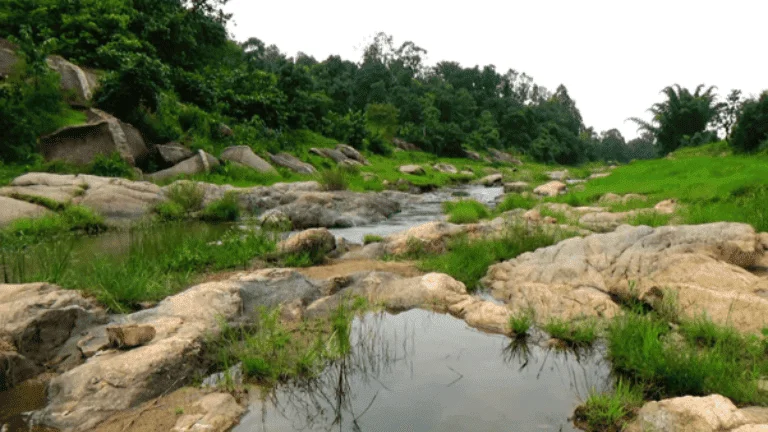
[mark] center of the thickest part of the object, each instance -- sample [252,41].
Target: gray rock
[200,163]
[12,209]
[403,145]
[492,180]
[244,155]
[445,168]
[352,153]
[170,154]
[291,162]
[130,336]
[503,157]
[473,155]
[75,81]
[412,170]
[335,155]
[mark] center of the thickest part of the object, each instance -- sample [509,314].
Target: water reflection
[424,371]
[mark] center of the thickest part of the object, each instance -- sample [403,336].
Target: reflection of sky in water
[421,371]
[424,208]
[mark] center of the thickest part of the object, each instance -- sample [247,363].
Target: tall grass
[71,219]
[468,260]
[609,412]
[335,179]
[515,201]
[465,211]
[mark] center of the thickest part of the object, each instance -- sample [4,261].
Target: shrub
[226,209]
[750,133]
[170,211]
[465,211]
[649,218]
[111,166]
[72,218]
[189,195]
[334,179]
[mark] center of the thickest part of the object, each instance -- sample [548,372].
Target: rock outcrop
[316,241]
[244,155]
[200,163]
[12,209]
[704,266]
[168,155]
[343,155]
[713,413]
[516,187]
[102,135]
[445,168]
[412,170]
[352,153]
[403,145]
[292,163]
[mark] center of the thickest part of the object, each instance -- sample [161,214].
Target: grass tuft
[520,323]
[515,201]
[372,238]
[575,333]
[465,211]
[609,411]
[226,209]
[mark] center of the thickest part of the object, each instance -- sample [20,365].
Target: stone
[558,175]
[119,199]
[275,220]
[78,83]
[704,265]
[200,163]
[403,145]
[130,336]
[432,236]
[666,207]
[234,375]
[335,155]
[610,198]
[467,173]
[492,180]
[516,187]
[412,170]
[469,154]
[81,144]
[244,155]
[225,130]
[352,153]
[316,241]
[604,221]
[291,162]
[219,412]
[713,413]
[445,168]
[553,188]
[168,155]
[12,209]
[503,157]
[598,175]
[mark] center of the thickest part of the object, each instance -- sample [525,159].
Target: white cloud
[614,56]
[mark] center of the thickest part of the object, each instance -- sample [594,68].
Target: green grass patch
[520,323]
[609,412]
[465,211]
[650,218]
[630,204]
[71,219]
[560,216]
[468,260]
[335,179]
[516,201]
[372,238]
[48,203]
[187,194]
[226,209]
[573,333]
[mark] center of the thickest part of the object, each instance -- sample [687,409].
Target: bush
[750,133]
[226,209]
[72,218]
[189,195]
[465,211]
[111,166]
[170,211]
[333,179]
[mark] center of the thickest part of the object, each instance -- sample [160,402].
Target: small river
[424,371]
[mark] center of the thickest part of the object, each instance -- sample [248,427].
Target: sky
[614,56]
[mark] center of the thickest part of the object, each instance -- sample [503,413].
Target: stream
[424,371]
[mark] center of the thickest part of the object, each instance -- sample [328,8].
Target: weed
[226,209]
[111,166]
[372,238]
[178,411]
[170,211]
[576,333]
[334,179]
[48,203]
[609,411]
[520,323]
[465,211]
[72,218]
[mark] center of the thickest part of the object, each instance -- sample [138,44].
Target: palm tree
[681,117]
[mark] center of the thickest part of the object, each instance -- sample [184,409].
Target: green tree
[681,119]
[751,130]
[382,119]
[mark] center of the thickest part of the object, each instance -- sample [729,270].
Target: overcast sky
[614,56]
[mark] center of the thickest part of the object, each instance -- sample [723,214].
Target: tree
[729,113]
[751,130]
[683,118]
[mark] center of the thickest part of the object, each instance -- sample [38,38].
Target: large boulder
[168,155]
[39,322]
[200,163]
[292,163]
[553,188]
[336,209]
[403,145]
[703,266]
[75,81]
[516,187]
[412,170]
[12,209]
[445,168]
[352,153]
[315,241]
[503,157]
[104,135]
[116,380]
[492,180]
[713,413]
[431,236]
[335,155]
[470,154]
[244,155]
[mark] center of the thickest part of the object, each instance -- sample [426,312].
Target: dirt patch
[158,415]
[348,267]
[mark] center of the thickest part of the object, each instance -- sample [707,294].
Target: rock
[8,60]
[553,188]
[78,83]
[503,157]
[118,199]
[431,236]
[168,155]
[703,264]
[202,162]
[288,161]
[558,175]
[335,155]
[39,322]
[604,221]
[234,375]
[218,412]
[713,413]
[445,168]
[467,173]
[245,156]
[116,380]
[406,146]
[351,153]
[594,176]
[412,170]
[81,144]
[666,207]
[11,210]
[373,251]
[610,198]
[492,180]
[130,336]
[225,130]
[316,241]
[473,155]
[516,187]
[275,220]
[532,215]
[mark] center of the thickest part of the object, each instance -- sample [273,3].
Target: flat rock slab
[11,210]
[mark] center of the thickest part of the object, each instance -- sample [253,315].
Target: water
[419,210]
[422,371]
[28,396]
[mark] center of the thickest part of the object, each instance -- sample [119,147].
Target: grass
[609,411]
[465,211]
[159,261]
[651,219]
[711,188]
[468,260]
[372,238]
[520,323]
[516,201]
[187,194]
[71,219]
[630,204]
[226,209]
[706,359]
[573,333]
[560,216]
[272,351]
[335,179]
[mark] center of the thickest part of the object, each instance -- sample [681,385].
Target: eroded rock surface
[412,170]
[713,413]
[292,163]
[553,188]
[705,265]
[12,209]
[244,155]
